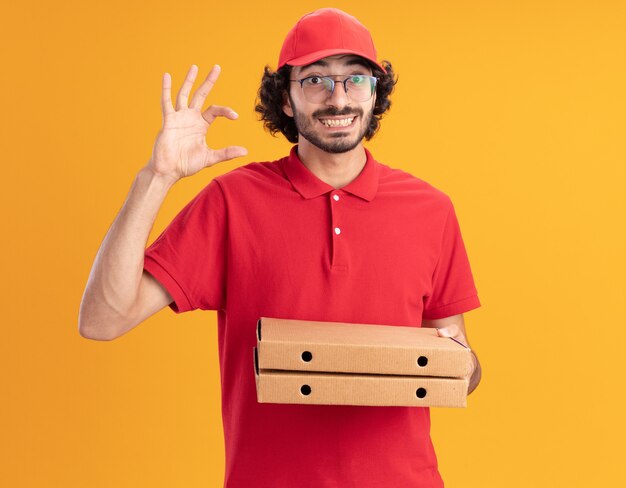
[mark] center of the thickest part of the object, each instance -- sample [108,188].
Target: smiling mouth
[345,122]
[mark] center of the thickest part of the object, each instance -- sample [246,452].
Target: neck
[335,169]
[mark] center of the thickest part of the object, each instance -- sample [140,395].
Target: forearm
[115,276]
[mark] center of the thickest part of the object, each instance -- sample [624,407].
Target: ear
[287,105]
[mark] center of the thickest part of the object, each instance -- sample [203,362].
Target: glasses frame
[333,84]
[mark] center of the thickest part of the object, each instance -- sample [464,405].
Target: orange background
[514,109]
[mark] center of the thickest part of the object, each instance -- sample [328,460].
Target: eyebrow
[350,62]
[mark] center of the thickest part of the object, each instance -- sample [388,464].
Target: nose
[339,97]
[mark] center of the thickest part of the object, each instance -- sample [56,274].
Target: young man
[326,233]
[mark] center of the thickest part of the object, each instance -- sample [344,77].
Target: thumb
[224,154]
[448,331]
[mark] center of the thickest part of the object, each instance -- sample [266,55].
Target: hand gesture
[180,149]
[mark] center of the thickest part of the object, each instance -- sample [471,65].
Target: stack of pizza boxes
[339,363]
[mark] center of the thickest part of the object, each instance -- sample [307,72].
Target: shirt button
[337,230]
[336,197]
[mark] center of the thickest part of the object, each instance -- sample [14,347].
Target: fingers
[449,331]
[201,93]
[453,331]
[218,111]
[166,96]
[183,93]
[226,153]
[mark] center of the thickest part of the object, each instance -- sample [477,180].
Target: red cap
[326,32]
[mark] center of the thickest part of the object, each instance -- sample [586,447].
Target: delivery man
[325,233]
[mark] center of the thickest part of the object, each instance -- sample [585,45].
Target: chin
[336,146]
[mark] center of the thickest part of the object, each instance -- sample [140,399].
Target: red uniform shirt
[271,239]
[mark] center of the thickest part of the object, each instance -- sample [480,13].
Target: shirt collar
[308,185]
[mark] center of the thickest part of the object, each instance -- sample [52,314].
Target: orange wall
[515,109]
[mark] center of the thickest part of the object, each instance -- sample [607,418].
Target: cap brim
[316,56]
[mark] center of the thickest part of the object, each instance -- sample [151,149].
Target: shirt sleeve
[453,288]
[189,257]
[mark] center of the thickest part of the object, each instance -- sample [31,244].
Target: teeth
[337,123]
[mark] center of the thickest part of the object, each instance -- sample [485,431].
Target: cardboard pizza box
[340,347]
[275,386]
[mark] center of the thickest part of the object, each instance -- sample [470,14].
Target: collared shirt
[271,239]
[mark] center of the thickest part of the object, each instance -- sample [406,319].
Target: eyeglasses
[317,89]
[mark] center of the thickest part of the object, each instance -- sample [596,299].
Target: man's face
[309,117]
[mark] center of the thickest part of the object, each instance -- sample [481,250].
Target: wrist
[155,178]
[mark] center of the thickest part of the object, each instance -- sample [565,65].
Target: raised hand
[180,149]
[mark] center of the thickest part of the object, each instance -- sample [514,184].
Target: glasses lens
[316,89]
[361,88]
